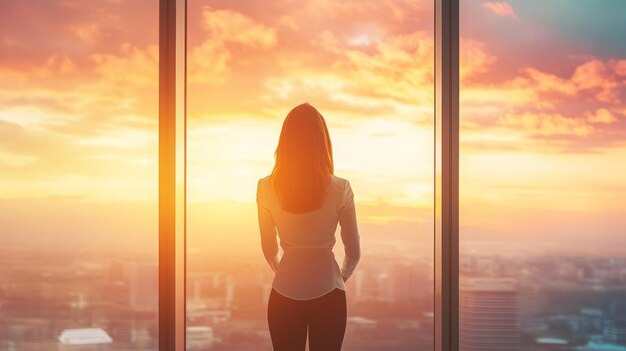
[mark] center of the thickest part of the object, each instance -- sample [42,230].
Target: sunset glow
[78,115]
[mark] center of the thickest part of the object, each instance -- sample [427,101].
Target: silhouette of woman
[303,201]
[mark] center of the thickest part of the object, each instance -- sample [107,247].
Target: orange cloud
[602,116]
[56,64]
[594,77]
[546,124]
[89,33]
[545,112]
[598,76]
[209,62]
[596,83]
[503,9]
[620,67]
[53,66]
[476,58]
[544,82]
[231,26]
[134,65]
[383,12]
[395,74]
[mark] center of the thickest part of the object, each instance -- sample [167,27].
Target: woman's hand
[275,262]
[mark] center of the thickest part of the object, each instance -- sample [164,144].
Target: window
[78,180]
[542,170]
[368,67]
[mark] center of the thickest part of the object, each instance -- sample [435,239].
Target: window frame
[446,295]
[173,169]
[172,173]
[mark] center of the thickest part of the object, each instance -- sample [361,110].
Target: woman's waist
[307,250]
[312,261]
[307,274]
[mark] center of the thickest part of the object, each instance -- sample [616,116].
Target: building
[488,314]
[551,344]
[200,338]
[600,346]
[215,289]
[144,286]
[615,333]
[612,339]
[86,339]
[408,283]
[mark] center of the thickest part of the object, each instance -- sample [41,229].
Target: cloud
[595,79]
[502,9]
[209,62]
[620,67]
[547,124]
[32,30]
[594,82]
[393,76]
[385,13]
[134,65]
[598,76]
[56,65]
[89,33]
[602,116]
[543,82]
[250,62]
[62,114]
[476,58]
[231,26]
[540,109]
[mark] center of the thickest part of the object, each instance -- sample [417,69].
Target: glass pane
[78,175]
[543,124]
[367,66]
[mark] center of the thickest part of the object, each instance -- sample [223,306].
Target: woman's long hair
[304,160]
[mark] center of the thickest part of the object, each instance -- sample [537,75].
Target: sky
[543,119]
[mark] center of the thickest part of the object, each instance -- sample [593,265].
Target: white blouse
[307,268]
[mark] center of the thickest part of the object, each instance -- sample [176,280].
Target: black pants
[325,318]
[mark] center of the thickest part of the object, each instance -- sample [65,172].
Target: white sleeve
[349,233]
[267,228]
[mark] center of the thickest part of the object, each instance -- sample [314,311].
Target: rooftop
[85,336]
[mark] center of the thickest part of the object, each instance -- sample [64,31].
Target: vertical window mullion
[446,175]
[172,173]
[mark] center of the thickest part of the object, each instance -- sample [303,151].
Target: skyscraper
[144,286]
[615,332]
[488,314]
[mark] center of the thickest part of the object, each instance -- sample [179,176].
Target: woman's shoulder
[264,180]
[339,184]
[262,185]
[338,180]
[342,191]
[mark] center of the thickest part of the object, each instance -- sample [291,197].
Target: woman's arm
[268,232]
[349,234]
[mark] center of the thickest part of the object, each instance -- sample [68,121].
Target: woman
[303,201]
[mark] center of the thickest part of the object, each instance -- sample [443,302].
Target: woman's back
[308,268]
